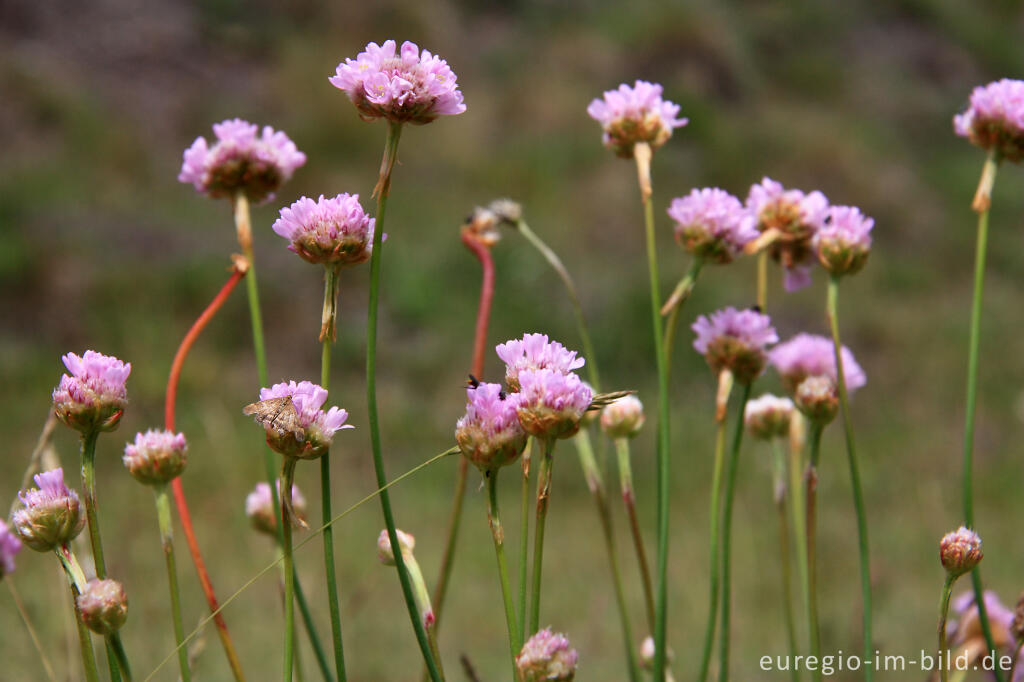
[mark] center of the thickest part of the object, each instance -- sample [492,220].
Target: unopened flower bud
[960,551]
[547,656]
[259,507]
[51,514]
[507,210]
[768,417]
[623,418]
[156,457]
[10,545]
[489,434]
[818,399]
[104,606]
[94,396]
[647,653]
[384,552]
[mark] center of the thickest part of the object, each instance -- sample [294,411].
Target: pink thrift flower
[405,86]
[711,224]
[547,656]
[94,395]
[995,118]
[535,351]
[489,434]
[551,403]
[242,159]
[263,514]
[768,416]
[156,457]
[333,232]
[308,432]
[10,545]
[807,355]
[736,340]
[844,241]
[630,115]
[960,551]
[50,515]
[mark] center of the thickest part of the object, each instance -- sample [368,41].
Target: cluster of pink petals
[490,410]
[995,118]
[807,355]
[50,514]
[535,351]
[156,456]
[260,500]
[155,441]
[547,656]
[406,86]
[712,224]
[308,398]
[241,159]
[844,241]
[333,232]
[50,490]
[750,328]
[798,215]
[635,114]
[10,545]
[94,378]
[555,390]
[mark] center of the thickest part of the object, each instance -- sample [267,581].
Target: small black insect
[502,395]
[756,308]
[473,382]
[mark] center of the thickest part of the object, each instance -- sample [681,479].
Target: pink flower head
[960,551]
[333,232]
[94,395]
[535,351]
[156,457]
[735,340]
[968,628]
[793,218]
[635,114]
[263,514]
[51,513]
[489,434]
[768,416]
[103,605]
[406,86]
[547,656]
[711,224]
[807,355]
[551,403]
[241,160]
[308,432]
[10,545]
[995,118]
[844,241]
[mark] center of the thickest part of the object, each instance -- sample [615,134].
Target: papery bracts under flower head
[103,605]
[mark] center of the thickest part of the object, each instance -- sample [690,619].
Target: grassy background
[102,248]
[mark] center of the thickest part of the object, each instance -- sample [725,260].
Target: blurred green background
[101,247]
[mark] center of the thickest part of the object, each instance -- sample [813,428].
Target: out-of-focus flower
[768,416]
[965,635]
[156,457]
[489,434]
[788,220]
[550,404]
[10,545]
[844,241]
[241,160]
[94,395]
[623,418]
[547,656]
[405,86]
[995,118]
[300,429]
[807,355]
[259,507]
[647,651]
[630,115]
[712,224]
[534,351]
[104,606]
[818,398]
[50,515]
[333,232]
[736,340]
[384,551]
[960,551]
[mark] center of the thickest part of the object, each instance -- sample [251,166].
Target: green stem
[947,590]
[796,510]
[163,514]
[629,498]
[714,514]
[384,185]
[730,492]
[981,203]
[498,534]
[543,498]
[811,478]
[307,620]
[287,480]
[858,494]
[779,476]
[524,536]
[681,294]
[762,280]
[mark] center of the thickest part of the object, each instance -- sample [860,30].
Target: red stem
[179,494]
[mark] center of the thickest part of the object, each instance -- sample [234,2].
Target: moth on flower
[296,425]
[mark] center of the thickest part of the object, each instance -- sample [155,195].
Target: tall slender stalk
[163,515]
[780,496]
[543,497]
[730,492]
[287,480]
[762,280]
[524,535]
[947,590]
[858,495]
[811,481]
[76,581]
[44,659]
[498,535]
[383,188]
[982,203]
[796,504]
[629,498]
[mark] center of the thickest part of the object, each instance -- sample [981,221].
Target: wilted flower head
[550,404]
[960,551]
[711,224]
[241,160]
[10,545]
[630,115]
[547,656]
[534,351]
[736,340]
[387,555]
[768,416]
[94,395]
[51,513]
[817,397]
[793,218]
[332,232]
[995,118]
[623,418]
[807,355]
[844,241]
[104,606]
[482,226]
[156,456]
[303,430]
[489,434]
[406,86]
[259,507]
